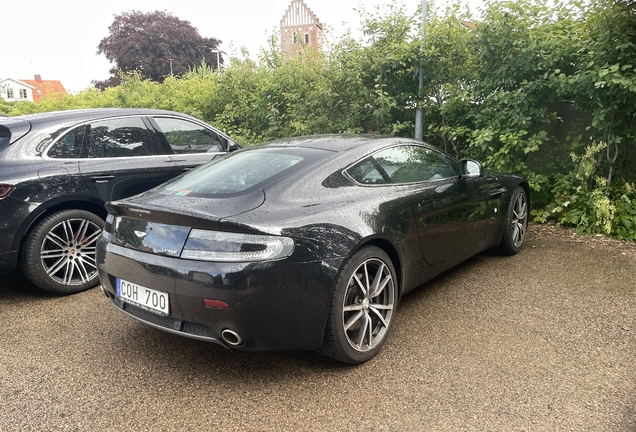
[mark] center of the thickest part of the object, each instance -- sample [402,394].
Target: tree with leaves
[157,44]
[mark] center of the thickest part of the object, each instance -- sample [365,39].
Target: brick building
[299,28]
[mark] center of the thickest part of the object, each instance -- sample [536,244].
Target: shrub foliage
[547,90]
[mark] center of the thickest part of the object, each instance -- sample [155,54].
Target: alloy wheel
[368,305]
[68,251]
[519,220]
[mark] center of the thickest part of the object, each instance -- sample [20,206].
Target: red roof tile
[44,87]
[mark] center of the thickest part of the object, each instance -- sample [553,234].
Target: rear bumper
[168,324]
[277,305]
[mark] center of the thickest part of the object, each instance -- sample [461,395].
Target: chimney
[38,78]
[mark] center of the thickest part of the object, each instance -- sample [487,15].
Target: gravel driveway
[542,341]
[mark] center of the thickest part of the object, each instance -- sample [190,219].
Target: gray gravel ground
[542,341]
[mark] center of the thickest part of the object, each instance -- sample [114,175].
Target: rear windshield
[242,171]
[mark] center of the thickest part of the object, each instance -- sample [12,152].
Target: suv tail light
[5,190]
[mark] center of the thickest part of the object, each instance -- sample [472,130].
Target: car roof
[338,153]
[87,114]
[340,142]
[14,128]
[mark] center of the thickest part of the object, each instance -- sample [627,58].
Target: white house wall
[10,86]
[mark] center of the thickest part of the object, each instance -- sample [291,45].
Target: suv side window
[69,145]
[122,137]
[184,136]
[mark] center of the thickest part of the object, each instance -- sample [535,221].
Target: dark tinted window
[457,168]
[124,137]
[368,172]
[69,145]
[187,137]
[235,173]
[402,164]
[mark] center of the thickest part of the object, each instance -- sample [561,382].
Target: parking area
[541,341]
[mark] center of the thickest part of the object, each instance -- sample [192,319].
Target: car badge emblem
[140,234]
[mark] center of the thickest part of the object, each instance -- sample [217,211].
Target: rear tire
[59,253]
[363,307]
[516,223]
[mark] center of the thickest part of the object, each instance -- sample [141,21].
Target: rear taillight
[108,227]
[204,245]
[5,190]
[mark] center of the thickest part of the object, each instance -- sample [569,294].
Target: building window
[23,94]
[306,38]
[9,93]
[294,38]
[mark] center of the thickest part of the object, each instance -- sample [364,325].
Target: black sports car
[58,169]
[306,243]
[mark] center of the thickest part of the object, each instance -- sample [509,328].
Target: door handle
[102,178]
[496,192]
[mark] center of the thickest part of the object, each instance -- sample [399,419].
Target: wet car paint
[283,304]
[43,184]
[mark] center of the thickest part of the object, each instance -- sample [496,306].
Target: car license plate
[145,298]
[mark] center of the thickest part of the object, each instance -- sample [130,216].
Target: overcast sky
[58,39]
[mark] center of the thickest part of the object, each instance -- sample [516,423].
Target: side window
[457,168]
[402,164]
[366,172]
[412,164]
[123,137]
[187,137]
[69,145]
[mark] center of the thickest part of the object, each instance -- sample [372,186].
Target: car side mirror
[471,168]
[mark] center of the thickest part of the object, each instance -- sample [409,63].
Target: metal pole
[419,117]
[218,60]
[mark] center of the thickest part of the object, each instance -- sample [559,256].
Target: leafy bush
[546,90]
[585,201]
[624,224]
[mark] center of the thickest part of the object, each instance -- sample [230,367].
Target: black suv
[58,169]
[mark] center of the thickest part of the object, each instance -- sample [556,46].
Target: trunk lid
[160,223]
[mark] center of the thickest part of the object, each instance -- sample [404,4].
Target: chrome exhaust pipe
[232,338]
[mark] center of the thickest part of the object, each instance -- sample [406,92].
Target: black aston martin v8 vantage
[305,243]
